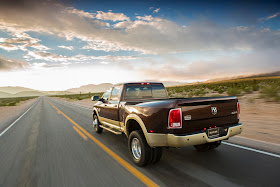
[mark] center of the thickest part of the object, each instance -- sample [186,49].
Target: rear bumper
[171,140]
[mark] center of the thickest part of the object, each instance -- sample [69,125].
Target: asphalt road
[54,144]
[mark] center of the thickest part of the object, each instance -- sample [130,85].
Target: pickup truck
[151,120]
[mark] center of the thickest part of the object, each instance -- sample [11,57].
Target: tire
[202,147]
[156,155]
[139,150]
[214,145]
[96,124]
[207,146]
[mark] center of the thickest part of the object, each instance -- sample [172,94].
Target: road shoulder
[10,113]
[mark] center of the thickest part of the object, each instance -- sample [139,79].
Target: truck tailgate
[200,113]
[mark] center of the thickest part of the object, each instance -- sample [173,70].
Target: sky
[57,45]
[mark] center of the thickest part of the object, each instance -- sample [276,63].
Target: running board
[111,130]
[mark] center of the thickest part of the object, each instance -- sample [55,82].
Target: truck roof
[137,83]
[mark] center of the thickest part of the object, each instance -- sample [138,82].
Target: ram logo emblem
[214,110]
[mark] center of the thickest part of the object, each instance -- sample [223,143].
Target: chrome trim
[111,130]
[136,148]
[171,140]
[111,126]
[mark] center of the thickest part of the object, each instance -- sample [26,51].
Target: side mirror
[95,98]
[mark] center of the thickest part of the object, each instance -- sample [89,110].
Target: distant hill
[28,93]
[63,93]
[167,83]
[4,94]
[273,74]
[277,73]
[18,91]
[14,89]
[91,88]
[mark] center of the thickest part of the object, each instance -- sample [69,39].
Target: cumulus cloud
[156,10]
[20,41]
[66,47]
[47,56]
[10,47]
[105,46]
[123,24]
[111,16]
[80,13]
[147,34]
[9,64]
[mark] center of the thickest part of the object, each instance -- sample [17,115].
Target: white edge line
[251,149]
[3,132]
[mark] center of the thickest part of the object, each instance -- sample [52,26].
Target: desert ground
[7,112]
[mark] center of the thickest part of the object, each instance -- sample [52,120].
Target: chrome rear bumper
[171,140]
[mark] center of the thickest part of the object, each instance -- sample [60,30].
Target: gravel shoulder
[9,113]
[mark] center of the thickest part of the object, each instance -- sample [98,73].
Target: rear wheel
[96,124]
[156,155]
[139,150]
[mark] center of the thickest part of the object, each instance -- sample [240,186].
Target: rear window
[138,91]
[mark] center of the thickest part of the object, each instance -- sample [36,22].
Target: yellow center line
[80,133]
[125,164]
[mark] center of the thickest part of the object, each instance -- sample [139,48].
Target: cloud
[111,16]
[270,17]
[20,41]
[51,57]
[9,64]
[80,13]
[156,10]
[224,66]
[66,47]
[123,24]
[10,47]
[146,34]
[105,46]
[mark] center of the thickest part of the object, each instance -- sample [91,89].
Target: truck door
[109,112]
[103,113]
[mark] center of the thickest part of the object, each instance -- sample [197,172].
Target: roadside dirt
[7,112]
[261,119]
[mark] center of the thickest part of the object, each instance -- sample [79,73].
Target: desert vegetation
[14,100]
[80,96]
[267,88]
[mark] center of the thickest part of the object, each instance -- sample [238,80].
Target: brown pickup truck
[151,120]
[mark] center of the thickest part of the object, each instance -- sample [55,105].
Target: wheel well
[132,125]
[94,113]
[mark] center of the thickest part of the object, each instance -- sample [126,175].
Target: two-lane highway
[54,144]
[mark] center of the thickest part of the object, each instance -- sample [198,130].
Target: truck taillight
[175,118]
[238,111]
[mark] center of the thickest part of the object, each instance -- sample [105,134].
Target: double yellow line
[85,135]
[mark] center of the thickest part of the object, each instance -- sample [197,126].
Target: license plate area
[213,133]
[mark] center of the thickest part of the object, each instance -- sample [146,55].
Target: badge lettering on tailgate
[187,117]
